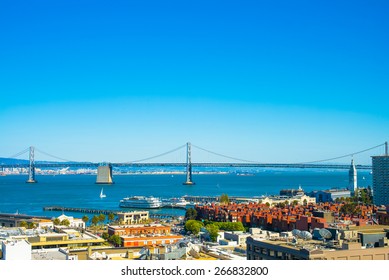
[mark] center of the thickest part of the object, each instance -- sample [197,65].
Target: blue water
[81,190]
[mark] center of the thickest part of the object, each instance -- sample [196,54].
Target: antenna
[325,233]
[306,235]
[296,233]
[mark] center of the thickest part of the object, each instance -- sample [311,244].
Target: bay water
[16,196]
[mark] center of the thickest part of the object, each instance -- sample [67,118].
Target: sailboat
[102,195]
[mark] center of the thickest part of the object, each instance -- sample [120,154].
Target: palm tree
[95,220]
[101,218]
[111,217]
[85,219]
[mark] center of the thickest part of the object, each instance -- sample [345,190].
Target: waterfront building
[74,222]
[299,199]
[352,178]
[285,217]
[14,220]
[15,250]
[380,179]
[292,192]
[330,195]
[133,217]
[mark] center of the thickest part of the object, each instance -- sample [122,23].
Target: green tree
[31,225]
[105,235]
[295,202]
[85,219]
[350,209]
[65,222]
[95,220]
[56,222]
[193,226]
[213,231]
[115,239]
[230,226]
[111,217]
[23,224]
[224,199]
[190,214]
[102,218]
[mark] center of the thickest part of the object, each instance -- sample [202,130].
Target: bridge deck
[233,165]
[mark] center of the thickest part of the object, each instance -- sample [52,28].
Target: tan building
[134,217]
[153,240]
[301,200]
[44,240]
[138,229]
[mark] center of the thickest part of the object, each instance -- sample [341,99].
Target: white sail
[102,195]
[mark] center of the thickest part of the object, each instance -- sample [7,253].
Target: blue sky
[268,81]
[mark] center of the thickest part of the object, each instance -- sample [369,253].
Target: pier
[102,211]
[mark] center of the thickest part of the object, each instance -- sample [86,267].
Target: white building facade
[16,250]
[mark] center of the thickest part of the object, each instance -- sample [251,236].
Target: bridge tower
[188,165]
[31,168]
[104,174]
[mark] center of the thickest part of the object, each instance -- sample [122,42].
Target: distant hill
[25,161]
[13,161]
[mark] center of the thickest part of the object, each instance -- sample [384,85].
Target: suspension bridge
[104,170]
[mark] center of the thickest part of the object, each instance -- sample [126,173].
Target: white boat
[142,202]
[179,201]
[175,202]
[102,195]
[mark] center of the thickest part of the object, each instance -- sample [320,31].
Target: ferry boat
[142,202]
[179,202]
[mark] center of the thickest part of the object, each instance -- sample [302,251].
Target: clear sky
[268,81]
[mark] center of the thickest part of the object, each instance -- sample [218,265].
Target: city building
[352,178]
[369,243]
[330,195]
[149,240]
[42,239]
[299,199]
[15,219]
[138,229]
[133,217]
[292,192]
[15,250]
[238,236]
[144,235]
[74,222]
[380,166]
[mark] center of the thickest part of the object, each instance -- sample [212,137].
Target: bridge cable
[329,159]
[221,155]
[47,154]
[20,153]
[171,151]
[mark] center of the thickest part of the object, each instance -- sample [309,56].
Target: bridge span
[105,169]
